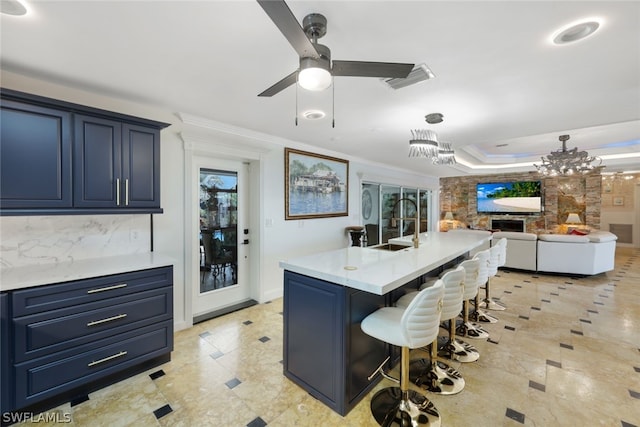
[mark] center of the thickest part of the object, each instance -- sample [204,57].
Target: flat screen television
[512,197]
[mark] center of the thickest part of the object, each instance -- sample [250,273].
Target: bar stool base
[441,379]
[389,409]
[483,317]
[460,351]
[492,305]
[472,330]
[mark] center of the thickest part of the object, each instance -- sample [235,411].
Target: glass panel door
[220,223]
[371,213]
[218,229]
[425,197]
[390,195]
[409,211]
[377,209]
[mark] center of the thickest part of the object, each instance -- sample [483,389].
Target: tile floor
[565,353]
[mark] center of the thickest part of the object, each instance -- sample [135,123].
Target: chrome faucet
[416,228]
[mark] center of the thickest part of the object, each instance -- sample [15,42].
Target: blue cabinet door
[35,156]
[325,351]
[97,162]
[141,166]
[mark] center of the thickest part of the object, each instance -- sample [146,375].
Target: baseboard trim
[225,310]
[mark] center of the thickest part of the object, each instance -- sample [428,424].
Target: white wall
[627,188]
[274,239]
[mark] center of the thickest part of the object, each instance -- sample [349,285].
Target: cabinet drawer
[45,377]
[40,334]
[51,297]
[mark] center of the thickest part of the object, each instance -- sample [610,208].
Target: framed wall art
[316,186]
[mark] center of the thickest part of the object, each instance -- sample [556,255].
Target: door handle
[118,191]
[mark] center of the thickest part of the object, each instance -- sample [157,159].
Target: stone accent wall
[561,196]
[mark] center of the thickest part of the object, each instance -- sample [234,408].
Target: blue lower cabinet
[325,351]
[65,340]
[6,395]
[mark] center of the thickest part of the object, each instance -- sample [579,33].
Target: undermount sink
[390,247]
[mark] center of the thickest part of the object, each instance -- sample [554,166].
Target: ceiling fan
[316,67]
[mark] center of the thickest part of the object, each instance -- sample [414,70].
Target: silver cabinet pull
[106,359]
[118,191]
[108,319]
[126,192]
[108,288]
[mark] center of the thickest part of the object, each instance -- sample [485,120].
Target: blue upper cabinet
[62,158]
[116,164]
[35,156]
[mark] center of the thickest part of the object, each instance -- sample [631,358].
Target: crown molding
[225,128]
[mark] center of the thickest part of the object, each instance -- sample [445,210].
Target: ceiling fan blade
[281,85]
[289,26]
[371,69]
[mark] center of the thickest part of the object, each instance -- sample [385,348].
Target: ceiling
[505,91]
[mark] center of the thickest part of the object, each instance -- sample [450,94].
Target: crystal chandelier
[568,162]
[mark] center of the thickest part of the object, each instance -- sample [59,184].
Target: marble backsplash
[35,240]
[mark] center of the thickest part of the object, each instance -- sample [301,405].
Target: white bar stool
[411,327]
[434,375]
[458,349]
[467,328]
[498,256]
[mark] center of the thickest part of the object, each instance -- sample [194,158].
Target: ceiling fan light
[13,7]
[314,78]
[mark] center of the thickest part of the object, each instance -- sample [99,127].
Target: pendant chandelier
[445,155]
[568,162]
[424,143]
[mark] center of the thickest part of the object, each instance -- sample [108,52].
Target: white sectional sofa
[593,253]
[521,249]
[590,254]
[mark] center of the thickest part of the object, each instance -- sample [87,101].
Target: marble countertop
[44,274]
[381,271]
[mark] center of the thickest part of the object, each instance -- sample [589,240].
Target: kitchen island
[327,295]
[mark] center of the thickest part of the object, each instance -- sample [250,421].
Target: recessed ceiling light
[313,114]
[576,31]
[13,7]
